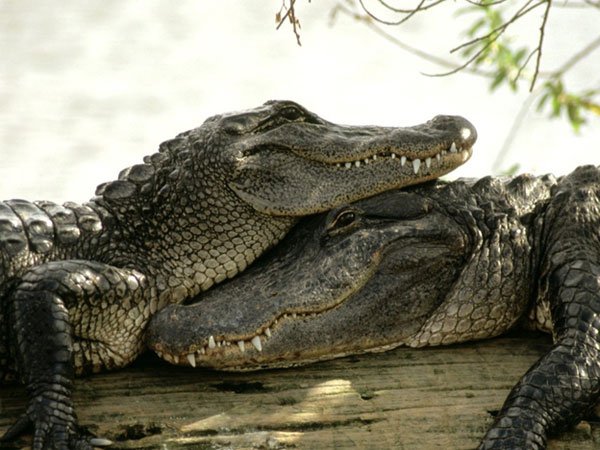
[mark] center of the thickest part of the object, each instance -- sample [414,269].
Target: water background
[88,88]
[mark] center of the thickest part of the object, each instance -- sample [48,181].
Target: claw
[18,428]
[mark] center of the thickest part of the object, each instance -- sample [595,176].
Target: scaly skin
[78,283]
[429,265]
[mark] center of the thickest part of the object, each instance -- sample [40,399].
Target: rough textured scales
[430,265]
[78,283]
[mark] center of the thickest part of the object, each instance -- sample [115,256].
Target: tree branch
[538,49]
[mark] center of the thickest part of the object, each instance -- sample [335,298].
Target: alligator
[433,264]
[79,283]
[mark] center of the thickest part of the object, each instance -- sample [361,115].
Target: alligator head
[292,162]
[285,160]
[363,277]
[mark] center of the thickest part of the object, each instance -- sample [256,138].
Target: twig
[408,48]
[409,12]
[492,36]
[290,14]
[497,32]
[573,60]
[538,50]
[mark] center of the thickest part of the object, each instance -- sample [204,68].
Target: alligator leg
[44,306]
[564,384]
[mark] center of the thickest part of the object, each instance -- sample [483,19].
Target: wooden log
[436,398]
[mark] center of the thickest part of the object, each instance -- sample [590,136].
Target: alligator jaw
[340,164]
[286,315]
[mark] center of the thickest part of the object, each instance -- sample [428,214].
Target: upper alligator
[78,283]
[430,265]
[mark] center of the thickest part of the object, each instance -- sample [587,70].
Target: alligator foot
[53,421]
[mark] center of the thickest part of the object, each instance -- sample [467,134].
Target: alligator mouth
[215,348]
[292,182]
[240,353]
[453,154]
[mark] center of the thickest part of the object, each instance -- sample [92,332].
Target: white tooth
[438,157]
[416,165]
[428,162]
[241,346]
[366,160]
[402,160]
[294,315]
[393,155]
[256,342]
[203,351]
[453,148]
[268,332]
[357,163]
[338,165]
[465,155]
[348,165]
[218,343]
[175,359]
[160,354]
[211,342]
[192,359]
[374,157]
[444,152]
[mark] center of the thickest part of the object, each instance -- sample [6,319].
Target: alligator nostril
[466,133]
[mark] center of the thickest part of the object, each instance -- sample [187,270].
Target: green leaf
[498,79]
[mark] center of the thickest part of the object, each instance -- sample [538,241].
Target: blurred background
[88,88]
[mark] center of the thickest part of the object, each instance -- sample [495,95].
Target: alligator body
[78,283]
[428,265]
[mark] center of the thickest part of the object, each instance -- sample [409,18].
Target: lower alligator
[430,265]
[78,283]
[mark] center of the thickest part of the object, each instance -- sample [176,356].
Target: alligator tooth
[203,351]
[100,442]
[428,162]
[374,157]
[211,342]
[416,165]
[393,155]
[294,315]
[241,346]
[268,332]
[175,359]
[453,148]
[256,342]
[465,155]
[438,157]
[192,359]
[357,163]
[348,165]
[402,160]
[444,152]
[366,160]
[338,165]
[160,354]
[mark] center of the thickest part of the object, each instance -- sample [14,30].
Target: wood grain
[437,398]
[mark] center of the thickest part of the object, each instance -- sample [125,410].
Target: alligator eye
[343,220]
[291,114]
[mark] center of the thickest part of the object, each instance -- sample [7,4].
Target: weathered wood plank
[402,399]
